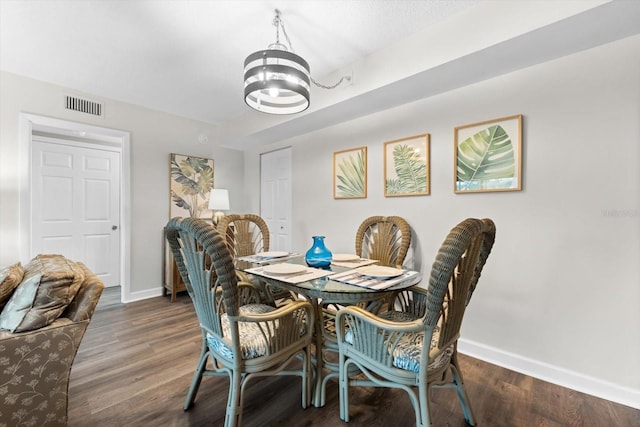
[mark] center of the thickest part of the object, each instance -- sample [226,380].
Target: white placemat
[352,277]
[260,260]
[309,273]
[353,264]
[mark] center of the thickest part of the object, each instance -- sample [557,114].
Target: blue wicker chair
[384,238]
[242,341]
[413,346]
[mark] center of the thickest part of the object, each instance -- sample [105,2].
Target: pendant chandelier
[276,80]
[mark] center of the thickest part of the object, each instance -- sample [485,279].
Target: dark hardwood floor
[135,364]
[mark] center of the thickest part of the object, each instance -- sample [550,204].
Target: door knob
[114,227]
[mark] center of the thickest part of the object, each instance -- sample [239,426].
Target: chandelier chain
[343,78]
[277,21]
[280,24]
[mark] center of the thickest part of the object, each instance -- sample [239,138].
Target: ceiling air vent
[82,105]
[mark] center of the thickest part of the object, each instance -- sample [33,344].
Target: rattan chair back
[384,238]
[246,234]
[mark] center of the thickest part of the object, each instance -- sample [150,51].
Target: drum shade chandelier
[276,80]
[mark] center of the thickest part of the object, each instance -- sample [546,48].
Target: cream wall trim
[550,373]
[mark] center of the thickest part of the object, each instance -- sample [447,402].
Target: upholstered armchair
[35,364]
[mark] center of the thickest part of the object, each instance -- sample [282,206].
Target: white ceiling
[185,57]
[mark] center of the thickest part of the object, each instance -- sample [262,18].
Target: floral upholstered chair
[42,323]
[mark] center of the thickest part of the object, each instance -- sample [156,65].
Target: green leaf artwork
[191,183]
[351,172]
[486,157]
[410,172]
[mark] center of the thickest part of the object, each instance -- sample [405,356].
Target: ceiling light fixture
[276,80]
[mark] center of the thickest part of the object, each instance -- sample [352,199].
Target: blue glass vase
[318,255]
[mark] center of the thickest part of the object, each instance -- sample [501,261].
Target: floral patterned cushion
[10,278]
[49,285]
[34,374]
[252,338]
[408,351]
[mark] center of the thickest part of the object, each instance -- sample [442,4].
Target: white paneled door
[75,204]
[275,197]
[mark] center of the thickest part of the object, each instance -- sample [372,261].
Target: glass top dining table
[333,285]
[327,286]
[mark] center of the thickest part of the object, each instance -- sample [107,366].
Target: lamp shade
[276,81]
[219,199]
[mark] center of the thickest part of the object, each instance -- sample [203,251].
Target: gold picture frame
[488,156]
[190,183]
[350,173]
[407,166]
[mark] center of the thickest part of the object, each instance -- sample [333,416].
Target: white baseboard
[140,295]
[553,374]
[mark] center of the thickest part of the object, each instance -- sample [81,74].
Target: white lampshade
[219,199]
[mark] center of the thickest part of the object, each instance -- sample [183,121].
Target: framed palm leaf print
[406,166]
[191,181]
[488,156]
[350,173]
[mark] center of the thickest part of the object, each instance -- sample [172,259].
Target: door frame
[94,135]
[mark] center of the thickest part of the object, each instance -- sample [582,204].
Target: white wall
[154,135]
[560,295]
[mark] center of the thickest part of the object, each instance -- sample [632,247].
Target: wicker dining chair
[248,234]
[413,347]
[385,239]
[241,341]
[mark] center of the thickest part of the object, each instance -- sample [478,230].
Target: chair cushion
[252,338]
[10,278]
[408,351]
[49,285]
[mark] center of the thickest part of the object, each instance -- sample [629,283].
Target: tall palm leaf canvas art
[350,173]
[406,166]
[191,184]
[488,156]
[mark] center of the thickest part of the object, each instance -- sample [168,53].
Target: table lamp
[218,202]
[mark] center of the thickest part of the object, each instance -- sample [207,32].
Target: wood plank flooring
[135,363]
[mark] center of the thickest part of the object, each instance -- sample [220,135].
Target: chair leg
[307,379]
[462,394]
[234,411]
[197,377]
[343,384]
[423,411]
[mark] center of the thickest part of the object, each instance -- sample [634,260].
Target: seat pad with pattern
[252,337]
[408,351]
